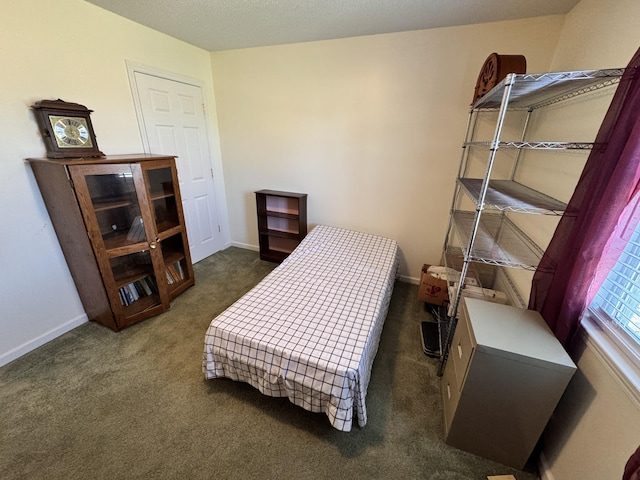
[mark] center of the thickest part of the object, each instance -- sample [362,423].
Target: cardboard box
[432,289]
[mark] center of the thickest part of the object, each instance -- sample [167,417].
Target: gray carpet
[94,404]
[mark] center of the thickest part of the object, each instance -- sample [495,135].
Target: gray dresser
[504,377]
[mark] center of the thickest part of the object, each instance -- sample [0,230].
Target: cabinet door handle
[153,245]
[448,391]
[459,350]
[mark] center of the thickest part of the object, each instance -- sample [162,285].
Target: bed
[310,329]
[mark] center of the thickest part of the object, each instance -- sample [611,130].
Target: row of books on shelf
[147,285]
[136,290]
[175,274]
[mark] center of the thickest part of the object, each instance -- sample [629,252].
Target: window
[617,303]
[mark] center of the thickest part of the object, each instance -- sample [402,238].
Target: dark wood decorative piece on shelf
[66,129]
[282,223]
[120,225]
[495,69]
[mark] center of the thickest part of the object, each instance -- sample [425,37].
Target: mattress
[310,330]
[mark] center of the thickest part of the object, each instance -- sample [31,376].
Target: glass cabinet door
[113,203]
[135,280]
[166,208]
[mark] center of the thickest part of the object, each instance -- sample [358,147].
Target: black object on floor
[434,333]
[431,339]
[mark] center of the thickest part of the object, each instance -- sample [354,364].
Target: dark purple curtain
[632,468]
[560,290]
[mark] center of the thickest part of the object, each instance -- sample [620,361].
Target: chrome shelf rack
[484,244]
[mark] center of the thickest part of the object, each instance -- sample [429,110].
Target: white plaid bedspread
[310,330]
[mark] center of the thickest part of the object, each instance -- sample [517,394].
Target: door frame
[213,135]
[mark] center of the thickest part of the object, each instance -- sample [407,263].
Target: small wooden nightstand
[282,223]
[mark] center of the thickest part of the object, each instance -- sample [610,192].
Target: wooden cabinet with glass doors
[121,228]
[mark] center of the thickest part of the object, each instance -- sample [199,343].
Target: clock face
[70,132]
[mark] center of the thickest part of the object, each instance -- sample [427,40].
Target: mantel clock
[66,129]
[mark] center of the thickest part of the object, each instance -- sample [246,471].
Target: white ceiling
[229,24]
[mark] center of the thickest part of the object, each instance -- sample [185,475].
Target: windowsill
[624,370]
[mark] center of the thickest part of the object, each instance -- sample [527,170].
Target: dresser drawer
[461,347]
[450,395]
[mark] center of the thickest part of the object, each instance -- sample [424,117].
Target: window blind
[619,295]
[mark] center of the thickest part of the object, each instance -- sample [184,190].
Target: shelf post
[495,144]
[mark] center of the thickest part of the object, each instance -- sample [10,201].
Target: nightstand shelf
[282,223]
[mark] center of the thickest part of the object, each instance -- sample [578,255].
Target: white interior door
[174,124]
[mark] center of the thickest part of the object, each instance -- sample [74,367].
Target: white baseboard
[412,280]
[34,343]
[246,246]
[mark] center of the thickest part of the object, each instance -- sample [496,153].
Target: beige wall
[596,426]
[598,34]
[74,51]
[370,127]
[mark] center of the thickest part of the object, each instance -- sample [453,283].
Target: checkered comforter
[310,330]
